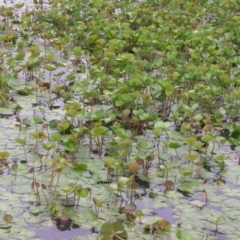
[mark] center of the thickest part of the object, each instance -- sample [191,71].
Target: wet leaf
[188,187]
[8,218]
[107,229]
[4,155]
[14,166]
[89,215]
[168,184]
[80,166]
[183,235]
[134,167]
[20,141]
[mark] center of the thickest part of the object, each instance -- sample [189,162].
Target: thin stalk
[99,147]
[167,134]
[33,184]
[158,146]
[45,195]
[25,153]
[174,182]
[67,199]
[213,146]
[38,195]
[79,200]
[52,177]
[47,155]
[167,175]
[56,183]
[177,153]
[206,150]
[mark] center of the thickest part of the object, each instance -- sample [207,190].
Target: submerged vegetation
[120,118]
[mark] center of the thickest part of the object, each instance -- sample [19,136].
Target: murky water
[10,3]
[55,232]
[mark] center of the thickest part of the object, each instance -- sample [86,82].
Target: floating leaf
[134,167]
[14,167]
[162,125]
[130,216]
[139,213]
[80,166]
[98,202]
[4,155]
[48,146]
[39,135]
[109,161]
[189,187]
[207,138]
[168,184]
[144,144]
[183,235]
[20,141]
[107,230]
[8,218]
[89,215]
[192,157]
[174,145]
[162,225]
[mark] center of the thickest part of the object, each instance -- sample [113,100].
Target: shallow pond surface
[99,140]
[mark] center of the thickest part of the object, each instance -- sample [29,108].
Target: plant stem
[25,153]
[45,196]
[52,177]
[78,201]
[56,183]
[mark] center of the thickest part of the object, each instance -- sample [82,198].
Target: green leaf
[98,131]
[89,215]
[50,68]
[183,235]
[56,137]
[144,144]
[63,126]
[174,145]
[39,135]
[98,202]
[80,166]
[192,157]
[4,155]
[58,167]
[189,187]
[118,227]
[109,161]
[77,51]
[21,141]
[53,124]
[191,140]
[162,125]
[139,213]
[84,192]
[48,146]
[38,120]
[207,138]
[107,229]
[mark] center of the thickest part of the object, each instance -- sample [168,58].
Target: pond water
[168,177]
[11,3]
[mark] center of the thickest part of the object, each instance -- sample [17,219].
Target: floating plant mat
[119,120]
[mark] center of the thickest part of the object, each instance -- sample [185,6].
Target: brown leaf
[134,167]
